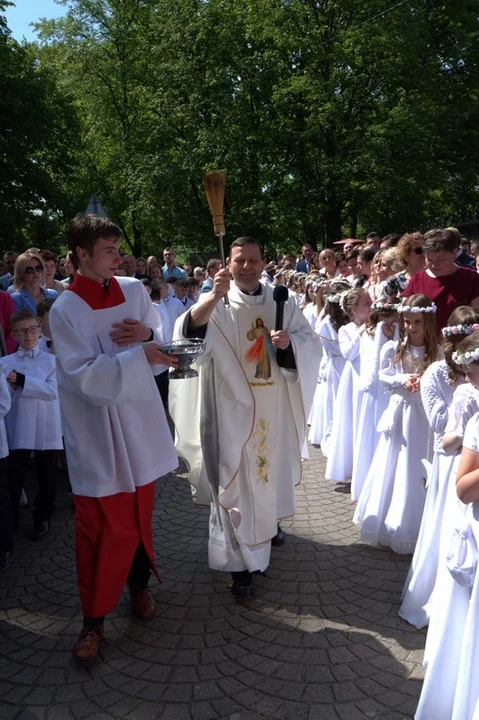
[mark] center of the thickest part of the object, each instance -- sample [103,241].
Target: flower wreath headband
[451,330]
[467,358]
[415,310]
[380,307]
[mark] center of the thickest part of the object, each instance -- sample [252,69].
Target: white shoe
[23,499]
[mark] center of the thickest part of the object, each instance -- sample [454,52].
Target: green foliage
[328,115]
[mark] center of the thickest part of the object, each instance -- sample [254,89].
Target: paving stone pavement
[320,641]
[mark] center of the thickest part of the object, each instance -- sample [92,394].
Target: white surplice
[243,470]
[116,433]
[33,422]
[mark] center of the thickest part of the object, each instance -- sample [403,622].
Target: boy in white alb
[116,435]
[33,421]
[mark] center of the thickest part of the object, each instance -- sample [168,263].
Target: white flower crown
[415,310]
[337,297]
[460,330]
[469,357]
[380,306]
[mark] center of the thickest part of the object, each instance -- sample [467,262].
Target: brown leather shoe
[87,646]
[143,604]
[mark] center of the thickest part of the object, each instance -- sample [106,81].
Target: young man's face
[180,291]
[104,260]
[27,333]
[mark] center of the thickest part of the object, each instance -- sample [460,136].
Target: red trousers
[108,531]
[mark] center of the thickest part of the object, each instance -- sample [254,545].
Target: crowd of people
[384,339]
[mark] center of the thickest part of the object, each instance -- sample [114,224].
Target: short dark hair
[352,254]
[193,282]
[44,306]
[367,254]
[441,240]
[171,280]
[246,240]
[86,230]
[372,235]
[47,256]
[146,282]
[212,263]
[24,314]
[182,282]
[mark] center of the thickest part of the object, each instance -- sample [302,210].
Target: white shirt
[33,422]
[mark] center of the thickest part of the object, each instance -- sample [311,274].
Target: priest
[106,333]
[241,424]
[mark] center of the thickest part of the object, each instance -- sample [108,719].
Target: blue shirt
[22,299]
[176,272]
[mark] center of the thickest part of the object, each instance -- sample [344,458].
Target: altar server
[242,426]
[116,434]
[33,422]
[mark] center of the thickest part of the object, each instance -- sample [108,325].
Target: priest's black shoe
[279,539]
[6,558]
[242,584]
[40,529]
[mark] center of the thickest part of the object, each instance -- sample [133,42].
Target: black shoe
[40,529]
[6,558]
[242,584]
[279,539]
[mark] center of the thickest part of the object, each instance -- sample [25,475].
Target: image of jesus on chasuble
[241,424]
[262,350]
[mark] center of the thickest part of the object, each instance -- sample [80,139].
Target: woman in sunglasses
[28,277]
[443,281]
[410,255]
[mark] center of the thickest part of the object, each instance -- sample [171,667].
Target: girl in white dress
[391,502]
[331,368]
[437,387]
[356,304]
[450,690]
[381,326]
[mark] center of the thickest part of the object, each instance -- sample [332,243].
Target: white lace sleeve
[390,373]
[434,398]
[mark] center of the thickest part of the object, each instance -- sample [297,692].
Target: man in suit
[305,264]
[8,265]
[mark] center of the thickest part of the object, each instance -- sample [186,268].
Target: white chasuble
[241,425]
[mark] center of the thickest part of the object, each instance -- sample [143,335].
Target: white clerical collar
[252,293]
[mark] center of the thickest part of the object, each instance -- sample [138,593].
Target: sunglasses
[30,270]
[418,251]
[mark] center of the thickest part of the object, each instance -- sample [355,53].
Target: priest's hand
[221,283]
[280,339]
[12,378]
[129,332]
[155,356]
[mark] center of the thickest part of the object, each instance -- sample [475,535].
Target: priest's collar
[258,290]
[98,296]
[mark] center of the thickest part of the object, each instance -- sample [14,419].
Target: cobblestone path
[320,641]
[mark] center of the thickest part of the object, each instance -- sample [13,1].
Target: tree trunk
[332,222]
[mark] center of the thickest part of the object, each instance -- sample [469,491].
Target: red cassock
[108,530]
